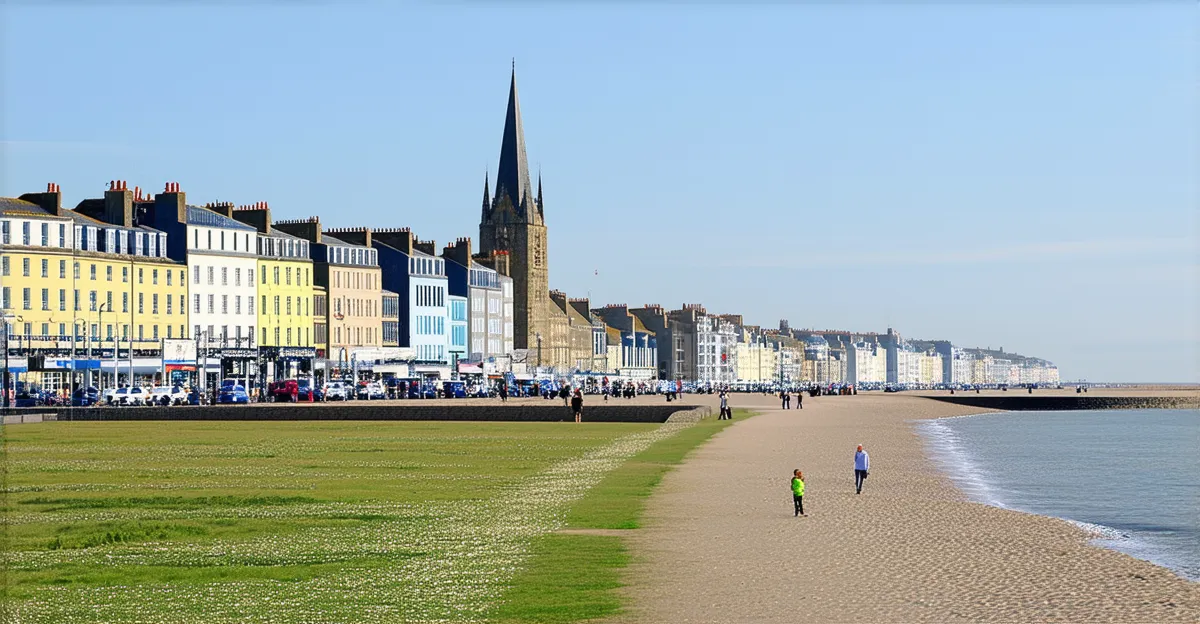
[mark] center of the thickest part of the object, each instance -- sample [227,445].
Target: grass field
[322,521]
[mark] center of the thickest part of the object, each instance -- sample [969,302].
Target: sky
[1023,177]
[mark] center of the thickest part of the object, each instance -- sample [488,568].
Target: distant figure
[785,398]
[1030,389]
[799,400]
[862,463]
[577,405]
[798,492]
[726,413]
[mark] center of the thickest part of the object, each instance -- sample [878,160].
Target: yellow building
[70,283]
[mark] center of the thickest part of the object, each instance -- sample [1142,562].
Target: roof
[83,219]
[388,293]
[281,234]
[10,205]
[203,216]
[614,334]
[576,317]
[337,242]
[638,326]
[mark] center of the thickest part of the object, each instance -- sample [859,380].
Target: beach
[720,543]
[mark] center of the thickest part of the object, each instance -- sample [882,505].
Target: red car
[284,391]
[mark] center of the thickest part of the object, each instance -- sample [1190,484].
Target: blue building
[418,277]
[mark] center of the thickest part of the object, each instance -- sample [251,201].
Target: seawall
[1026,402]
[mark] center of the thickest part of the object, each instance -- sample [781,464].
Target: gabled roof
[337,242]
[203,216]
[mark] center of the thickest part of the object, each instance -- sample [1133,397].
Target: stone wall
[327,411]
[1025,402]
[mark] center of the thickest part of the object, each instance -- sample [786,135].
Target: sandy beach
[721,543]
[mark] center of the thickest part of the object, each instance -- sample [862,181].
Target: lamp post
[7,330]
[99,370]
[454,371]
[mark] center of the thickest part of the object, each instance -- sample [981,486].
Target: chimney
[459,252]
[118,204]
[429,247]
[50,201]
[171,201]
[559,297]
[497,260]
[309,229]
[582,306]
[354,236]
[400,239]
[257,216]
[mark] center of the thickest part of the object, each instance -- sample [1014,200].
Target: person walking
[799,400]
[725,412]
[577,406]
[782,400]
[862,463]
[798,492]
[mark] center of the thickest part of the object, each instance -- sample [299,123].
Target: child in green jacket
[798,492]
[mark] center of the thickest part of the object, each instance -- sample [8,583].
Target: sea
[1131,477]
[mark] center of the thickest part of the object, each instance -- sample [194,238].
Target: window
[92,300]
[155,336]
[108,272]
[25,267]
[196,274]
[264,338]
[4,233]
[210,304]
[125,302]
[250,305]
[289,306]
[276,305]
[196,239]
[62,235]
[288,273]
[108,302]
[250,276]
[169,301]
[224,304]
[77,301]
[154,303]
[276,276]
[45,298]
[168,280]
[264,274]
[140,281]
[4,296]
[124,275]
[237,276]
[141,300]
[182,307]
[289,335]
[276,335]
[210,239]
[169,328]
[62,269]
[264,302]
[224,276]
[210,275]
[237,302]
[45,268]
[154,277]
[25,235]
[4,262]
[196,304]
[62,300]
[222,241]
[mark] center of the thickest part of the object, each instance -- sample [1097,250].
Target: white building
[429,320]
[867,363]
[716,350]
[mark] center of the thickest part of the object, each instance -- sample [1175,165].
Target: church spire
[539,197]
[487,201]
[512,176]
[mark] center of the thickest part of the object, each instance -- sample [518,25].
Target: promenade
[721,543]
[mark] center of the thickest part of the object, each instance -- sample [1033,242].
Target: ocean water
[1132,477]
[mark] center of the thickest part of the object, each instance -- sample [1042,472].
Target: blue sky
[1023,177]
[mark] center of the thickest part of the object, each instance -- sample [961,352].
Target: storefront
[278,363]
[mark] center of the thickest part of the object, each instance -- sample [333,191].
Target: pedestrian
[726,414]
[798,492]
[862,463]
[577,406]
[799,400]
[782,400]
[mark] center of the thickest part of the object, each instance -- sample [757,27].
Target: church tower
[514,223]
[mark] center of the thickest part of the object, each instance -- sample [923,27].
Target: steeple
[512,176]
[539,199]
[487,201]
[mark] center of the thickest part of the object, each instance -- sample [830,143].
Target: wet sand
[721,543]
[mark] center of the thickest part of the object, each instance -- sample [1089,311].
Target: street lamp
[7,330]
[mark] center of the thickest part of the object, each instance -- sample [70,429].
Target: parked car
[371,390]
[85,397]
[26,399]
[167,395]
[306,391]
[285,391]
[195,397]
[233,394]
[135,395]
[336,391]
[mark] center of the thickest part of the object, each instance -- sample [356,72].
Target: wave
[948,452]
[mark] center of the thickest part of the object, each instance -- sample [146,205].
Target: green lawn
[321,521]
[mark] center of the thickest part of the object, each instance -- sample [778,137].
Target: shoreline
[977,488]
[719,546]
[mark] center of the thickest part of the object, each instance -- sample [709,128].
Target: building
[580,338]
[866,363]
[489,314]
[513,221]
[637,345]
[716,346]
[599,354]
[348,268]
[412,271]
[320,318]
[284,288]
[391,319]
[758,359]
[85,295]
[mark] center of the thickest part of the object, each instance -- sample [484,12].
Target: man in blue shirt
[862,463]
